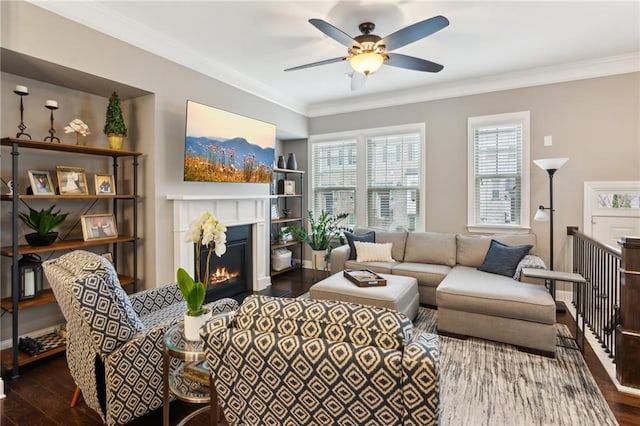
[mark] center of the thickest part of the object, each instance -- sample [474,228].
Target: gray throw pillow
[502,259]
[369,237]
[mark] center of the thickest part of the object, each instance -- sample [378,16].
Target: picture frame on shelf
[72,180]
[286,187]
[41,183]
[98,227]
[274,211]
[105,184]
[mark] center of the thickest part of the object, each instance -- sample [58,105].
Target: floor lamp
[550,165]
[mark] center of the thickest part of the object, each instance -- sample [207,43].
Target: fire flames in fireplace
[222,275]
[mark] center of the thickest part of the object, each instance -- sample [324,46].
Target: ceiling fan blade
[315,64]
[414,32]
[333,32]
[358,81]
[412,63]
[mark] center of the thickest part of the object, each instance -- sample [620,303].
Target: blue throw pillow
[369,237]
[502,259]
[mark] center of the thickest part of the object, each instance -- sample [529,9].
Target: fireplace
[231,210]
[229,275]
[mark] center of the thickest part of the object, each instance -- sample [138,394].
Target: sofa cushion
[427,274]
[469,290]
[398,239]
[431,247]
[502,259]
[379,267]
[373,252]
[472,249]
[369,237]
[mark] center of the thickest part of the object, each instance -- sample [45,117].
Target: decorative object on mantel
[79,128]
[292,164]
[281,163]
[206,231]
[22,91]
[43,222]
[52,106]
[114,126]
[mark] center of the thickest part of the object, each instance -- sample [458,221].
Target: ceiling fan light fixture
[366,63]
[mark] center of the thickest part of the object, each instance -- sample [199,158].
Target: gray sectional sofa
[470,302]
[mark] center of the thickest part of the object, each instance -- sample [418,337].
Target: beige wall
[594,122]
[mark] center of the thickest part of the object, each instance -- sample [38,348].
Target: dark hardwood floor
[42,393]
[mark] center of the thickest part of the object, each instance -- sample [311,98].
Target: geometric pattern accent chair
[280,361]
[115,341]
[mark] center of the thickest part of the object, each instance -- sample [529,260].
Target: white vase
[318,259]
[192,325]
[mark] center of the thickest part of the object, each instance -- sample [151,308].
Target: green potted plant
[322,231]
[114,127]
[193,293]
[43,222]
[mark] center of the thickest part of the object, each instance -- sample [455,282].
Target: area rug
[489,383]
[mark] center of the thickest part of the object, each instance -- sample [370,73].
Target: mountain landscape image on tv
[224,147]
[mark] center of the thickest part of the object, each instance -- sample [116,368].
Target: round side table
[188,382]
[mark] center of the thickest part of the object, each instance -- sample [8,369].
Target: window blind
[498,174]
[333,177]
[393,181]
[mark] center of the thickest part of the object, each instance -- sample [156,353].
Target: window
[498,196]
[333,181]
[377,179]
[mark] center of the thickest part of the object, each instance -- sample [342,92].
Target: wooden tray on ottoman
[365,278]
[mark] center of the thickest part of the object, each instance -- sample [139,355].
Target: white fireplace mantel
[231,210]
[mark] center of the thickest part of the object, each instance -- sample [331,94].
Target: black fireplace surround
[230,274]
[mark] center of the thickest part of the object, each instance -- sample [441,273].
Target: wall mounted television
[221,146]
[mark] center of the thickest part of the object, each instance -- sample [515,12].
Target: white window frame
[361,137]
[522,117]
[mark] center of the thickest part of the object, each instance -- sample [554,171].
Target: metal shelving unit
[294,202]
[12,304]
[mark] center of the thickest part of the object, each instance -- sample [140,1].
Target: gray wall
[594,122]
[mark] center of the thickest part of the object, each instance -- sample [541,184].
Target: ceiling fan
[367,52]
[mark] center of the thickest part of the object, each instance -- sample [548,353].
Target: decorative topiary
[115,123]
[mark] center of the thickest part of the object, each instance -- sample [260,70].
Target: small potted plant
[322,231]
[206,231]
[194,294]
[43,222]
[114,126]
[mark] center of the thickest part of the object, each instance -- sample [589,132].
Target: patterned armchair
[292,362]
[115,342]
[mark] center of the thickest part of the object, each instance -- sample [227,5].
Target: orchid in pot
[206,231]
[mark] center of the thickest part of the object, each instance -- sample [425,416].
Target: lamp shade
[550,163]
[541,215]
[366,63]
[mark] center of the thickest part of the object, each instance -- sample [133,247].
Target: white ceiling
[487,46]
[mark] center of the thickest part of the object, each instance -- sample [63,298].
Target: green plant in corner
[193,293]
[321,230]
[43,221]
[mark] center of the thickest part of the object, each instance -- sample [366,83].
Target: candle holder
[52,131]
[22,126]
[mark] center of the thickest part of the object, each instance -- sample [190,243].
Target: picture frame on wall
[98,227]
[105,184]
[72,180]
[41,183]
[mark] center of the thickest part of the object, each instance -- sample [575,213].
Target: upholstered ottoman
[400,293]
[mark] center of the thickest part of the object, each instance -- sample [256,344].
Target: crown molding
[105,20]
[601,67]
